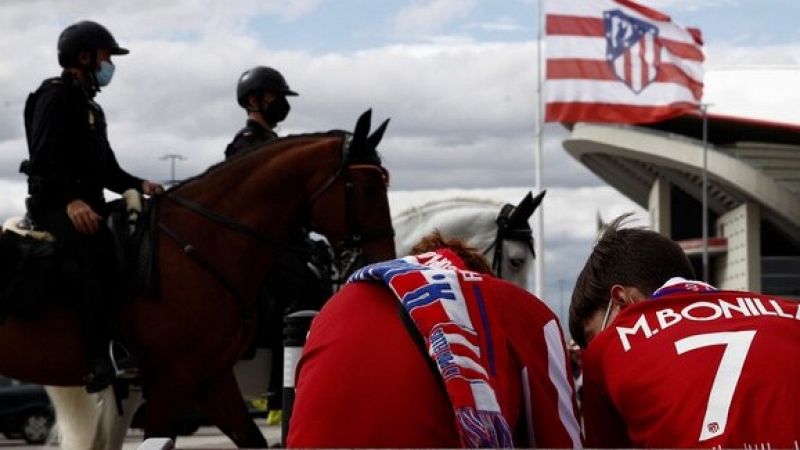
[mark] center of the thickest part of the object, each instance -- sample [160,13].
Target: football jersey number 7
[737,343]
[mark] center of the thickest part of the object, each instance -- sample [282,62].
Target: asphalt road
[206,438]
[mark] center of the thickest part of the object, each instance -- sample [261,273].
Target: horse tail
[77,415]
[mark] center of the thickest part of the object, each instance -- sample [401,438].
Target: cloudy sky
[457,77]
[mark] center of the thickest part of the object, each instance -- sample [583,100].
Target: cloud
[671,5]
[690,5]
[289,10]
[431,15]
[502,25]
[451,105]
[463,114]
[12,199]
[150,17]
[769,74]
[733,56]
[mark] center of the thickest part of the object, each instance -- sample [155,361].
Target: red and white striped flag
[618,61]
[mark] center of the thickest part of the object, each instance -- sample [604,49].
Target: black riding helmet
[259,79]
[85,36]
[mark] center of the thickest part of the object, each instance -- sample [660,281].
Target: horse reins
[351,245]
[206,264]
[350,253]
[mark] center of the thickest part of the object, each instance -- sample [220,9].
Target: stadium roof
[748,160]
[725,130]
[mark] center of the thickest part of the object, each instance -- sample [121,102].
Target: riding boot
[123,361]
[101,375]
[95,330]
[92,266]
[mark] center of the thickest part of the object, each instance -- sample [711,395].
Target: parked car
[25,411]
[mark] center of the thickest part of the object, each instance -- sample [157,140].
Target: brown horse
[218,234]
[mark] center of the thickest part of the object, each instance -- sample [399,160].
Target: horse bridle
[506,231]
[351,247]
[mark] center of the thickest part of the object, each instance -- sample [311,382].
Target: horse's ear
[375,138]
[525,208]
[359,142]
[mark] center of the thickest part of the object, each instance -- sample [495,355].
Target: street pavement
[204,438]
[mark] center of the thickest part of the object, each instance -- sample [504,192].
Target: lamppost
[172,157]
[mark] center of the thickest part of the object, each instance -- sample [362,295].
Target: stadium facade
[753,197]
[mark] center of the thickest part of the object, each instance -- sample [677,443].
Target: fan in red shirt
[363,381]
[676,363]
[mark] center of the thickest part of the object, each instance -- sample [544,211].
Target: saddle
[22,226]
[29,256]
[27,259]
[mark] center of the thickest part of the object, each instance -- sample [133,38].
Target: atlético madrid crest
[633,50]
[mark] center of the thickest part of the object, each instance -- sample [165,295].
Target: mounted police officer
[262,91]
[300,279]
[71,162]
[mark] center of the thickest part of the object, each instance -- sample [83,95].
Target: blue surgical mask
[104,73]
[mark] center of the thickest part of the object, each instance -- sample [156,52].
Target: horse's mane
[445,204]
[256,149]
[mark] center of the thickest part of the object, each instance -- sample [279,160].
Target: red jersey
[696,369]
[363,382]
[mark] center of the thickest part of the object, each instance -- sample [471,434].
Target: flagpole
[538,263]
[704,109]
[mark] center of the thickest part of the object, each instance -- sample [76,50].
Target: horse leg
[165,402]
[77,415]
[113,427]
[91,421]
[221,401]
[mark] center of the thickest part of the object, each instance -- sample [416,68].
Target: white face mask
[104,73]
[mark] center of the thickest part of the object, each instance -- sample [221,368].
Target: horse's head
[351,208]
[514,241]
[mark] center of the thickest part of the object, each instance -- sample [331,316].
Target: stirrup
[125,365]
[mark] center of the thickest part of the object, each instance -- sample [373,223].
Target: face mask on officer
[104,73]
[275,111]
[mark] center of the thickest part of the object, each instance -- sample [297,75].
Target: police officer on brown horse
[301,277]
[262,91]
[71,162]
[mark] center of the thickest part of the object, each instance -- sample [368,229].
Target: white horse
[500,230]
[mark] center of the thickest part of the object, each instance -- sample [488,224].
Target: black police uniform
[70,159]
[251,136]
